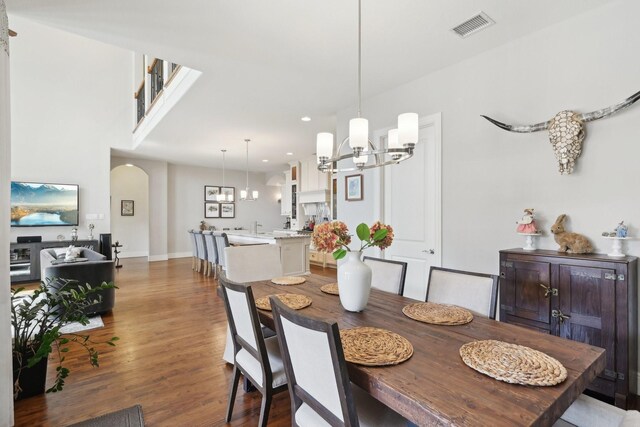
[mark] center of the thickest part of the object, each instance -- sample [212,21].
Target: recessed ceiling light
[265,160]
[129,165]
[306,119]
[289,154]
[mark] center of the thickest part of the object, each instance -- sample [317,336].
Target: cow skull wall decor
[567,131]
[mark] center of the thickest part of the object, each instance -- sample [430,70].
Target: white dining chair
[249,264]
[255,357]
[202,252]
[194,249]
[474,291]
[319,386]
[222,241]
[589,412]
[212,253]
[387,275]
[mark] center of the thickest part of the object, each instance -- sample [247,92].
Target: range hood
[316,196]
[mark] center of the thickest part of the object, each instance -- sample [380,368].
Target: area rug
[75,327]
[129,417]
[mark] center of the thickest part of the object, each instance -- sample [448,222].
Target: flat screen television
[38,204]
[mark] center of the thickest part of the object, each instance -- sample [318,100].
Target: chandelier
[400,141]
[222,196]
[247,195]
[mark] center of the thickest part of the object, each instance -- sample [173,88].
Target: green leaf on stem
[362,230]
[380,234]
[339,253]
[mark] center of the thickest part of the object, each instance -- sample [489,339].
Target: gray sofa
[94,271]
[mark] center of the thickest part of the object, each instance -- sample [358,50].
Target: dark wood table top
[434,387]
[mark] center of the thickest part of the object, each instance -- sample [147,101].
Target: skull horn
[520,129]
[606,112]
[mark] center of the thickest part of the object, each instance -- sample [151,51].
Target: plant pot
[32,380]
[354,282]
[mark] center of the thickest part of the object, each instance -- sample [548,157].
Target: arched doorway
[130,210]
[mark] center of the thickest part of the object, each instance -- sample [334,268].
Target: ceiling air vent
[473,25]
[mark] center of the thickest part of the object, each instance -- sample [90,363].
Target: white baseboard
[180,255]
[153,258]
[133,254]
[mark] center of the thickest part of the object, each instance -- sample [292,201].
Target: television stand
[24,258]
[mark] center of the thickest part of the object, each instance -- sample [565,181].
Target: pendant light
[222,197]
[247,195]
[400,142]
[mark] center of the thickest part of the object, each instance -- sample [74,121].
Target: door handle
[560,315]
[549,290]
[429,251]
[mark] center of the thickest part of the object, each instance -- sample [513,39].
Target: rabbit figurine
[569,242]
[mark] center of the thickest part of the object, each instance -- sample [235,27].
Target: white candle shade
[324,145]
[407,129]
[358,133]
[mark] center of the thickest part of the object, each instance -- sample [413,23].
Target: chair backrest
[315,367]
[210,244]
[253,262]
[475,291]
[244,324]
[200,245]
[222,241]
[194,246]
[387,275]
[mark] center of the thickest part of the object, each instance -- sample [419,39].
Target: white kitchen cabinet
[285,202]
[312,178]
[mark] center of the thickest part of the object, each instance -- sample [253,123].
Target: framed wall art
[353,187]
[229,192]
[211,193]
[211,210]
[227,210]
[126,207]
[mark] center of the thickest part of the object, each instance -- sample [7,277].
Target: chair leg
[232,392]
[193,263]
[264,410]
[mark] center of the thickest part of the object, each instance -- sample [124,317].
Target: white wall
[186,203]
[6,373]
[490,175]
[132,232]
[71,101]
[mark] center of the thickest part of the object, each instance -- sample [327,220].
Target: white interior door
[412,206]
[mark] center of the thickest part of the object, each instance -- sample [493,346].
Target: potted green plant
[36,319]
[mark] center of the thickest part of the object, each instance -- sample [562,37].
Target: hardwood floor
[172,330]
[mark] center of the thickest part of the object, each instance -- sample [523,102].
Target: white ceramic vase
[354,282]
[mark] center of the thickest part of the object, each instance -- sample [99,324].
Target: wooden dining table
[435,387]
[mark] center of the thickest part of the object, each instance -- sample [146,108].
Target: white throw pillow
[72,252]
[60,252]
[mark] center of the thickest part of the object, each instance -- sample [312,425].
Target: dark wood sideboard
[25,257]
[590,298]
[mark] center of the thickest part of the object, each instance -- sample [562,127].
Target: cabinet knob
[549,290]
[560,315]
[429,251]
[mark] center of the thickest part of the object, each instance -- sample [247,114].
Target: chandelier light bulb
[324,145]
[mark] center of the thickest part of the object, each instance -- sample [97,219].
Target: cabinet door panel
[524,296]
[587,296]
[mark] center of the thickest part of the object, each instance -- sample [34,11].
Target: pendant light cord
[359,57]
[247,141]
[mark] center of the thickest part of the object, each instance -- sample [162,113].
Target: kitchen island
[294,248]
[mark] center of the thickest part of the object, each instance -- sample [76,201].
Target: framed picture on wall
[126,207]
[211,193]
[353,187]
[211,210]
[229,192]
[227,210]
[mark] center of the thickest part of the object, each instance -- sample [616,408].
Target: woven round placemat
[330,288]
[289,280]
[374,346]
[294,301]
[438,314]
[513,363]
